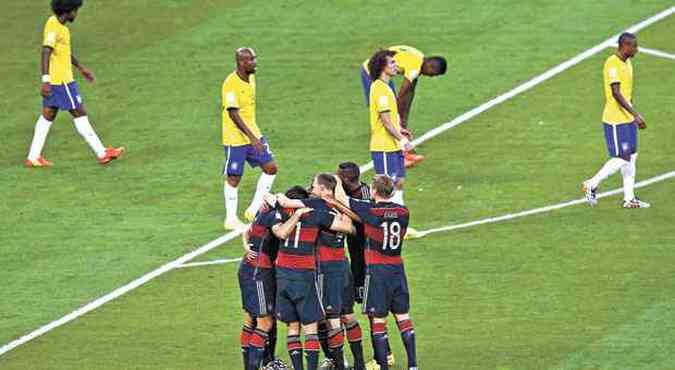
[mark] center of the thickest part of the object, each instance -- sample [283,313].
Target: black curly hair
[378,62]
[65,6]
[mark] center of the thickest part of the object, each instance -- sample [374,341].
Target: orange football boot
[39,162]
[111,154]
[411,159]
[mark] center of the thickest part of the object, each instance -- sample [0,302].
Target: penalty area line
[511,216]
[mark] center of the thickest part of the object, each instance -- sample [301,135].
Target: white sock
[397,197]
[265,182]
[231,198]
[87,132]
[628,172]
[39,137]
[610,167]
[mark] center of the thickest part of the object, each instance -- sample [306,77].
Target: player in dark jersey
[257,281]
[386,286]
[298,297]
[335,281]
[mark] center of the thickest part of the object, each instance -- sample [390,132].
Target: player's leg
[323,329]
[42,126]
[629,138]
[354,337]
[270,351]
[349,323]
[310,310]
[380,341]
[245,337]
[391,164]
[295,345]
[269,168]
[258,342]
[610,167]
[233,171]
[400,307]
[375,305]
[84,128]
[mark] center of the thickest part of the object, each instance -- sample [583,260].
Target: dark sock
[336,340]
[270,349]
[256,349]
[312,348]
[354,336]
[244,338]
[323,338]
[295,352]
[381,343]
[408,337]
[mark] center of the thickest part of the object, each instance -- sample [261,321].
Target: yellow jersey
[408,59]
[57,37]
[382,99]
[617,71]
[237,93]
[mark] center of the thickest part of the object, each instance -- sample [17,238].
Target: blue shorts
[365,81]
[621,139]
[237,155]
[337,290]
[298,297]
[258,290]
[386,292]
[64,97]
[391,164]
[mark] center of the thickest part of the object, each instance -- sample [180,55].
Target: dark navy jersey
[331,244]
[261,239]
[298,251]
[385,226]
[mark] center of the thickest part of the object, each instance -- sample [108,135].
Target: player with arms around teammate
[621,122]
[298,300]
[242,139]
[411,64]
[386,287]
[335,281]
[257,281]
[387,140]
[59,89]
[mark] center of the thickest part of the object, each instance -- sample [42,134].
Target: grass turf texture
[561,291]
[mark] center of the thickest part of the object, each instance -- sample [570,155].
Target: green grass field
[577,288]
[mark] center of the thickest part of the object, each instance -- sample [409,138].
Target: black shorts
[337,291]
[258,290]
[384,293]
[298,297]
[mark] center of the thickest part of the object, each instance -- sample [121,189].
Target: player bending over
[386,286]
[387,140]
[411,64]
[621,122]
[243,140]
[59,89]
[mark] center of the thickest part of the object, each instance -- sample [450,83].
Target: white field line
[491,220]
[654,52]
[227,237]
[208,263]
[511,216]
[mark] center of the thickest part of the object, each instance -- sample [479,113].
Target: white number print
[392,235]
[297,236]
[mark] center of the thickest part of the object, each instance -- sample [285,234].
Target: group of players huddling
[295,269]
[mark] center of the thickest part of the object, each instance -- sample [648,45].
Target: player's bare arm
[342,224]
[46,88]
[86,73]
[404,100]
[286,202]
[385,117]
[239,122]
[282,231]
[250,254]
[616,93]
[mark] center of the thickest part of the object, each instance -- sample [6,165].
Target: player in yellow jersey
[621,122]
[59,89]
[411,65]
[243,140]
